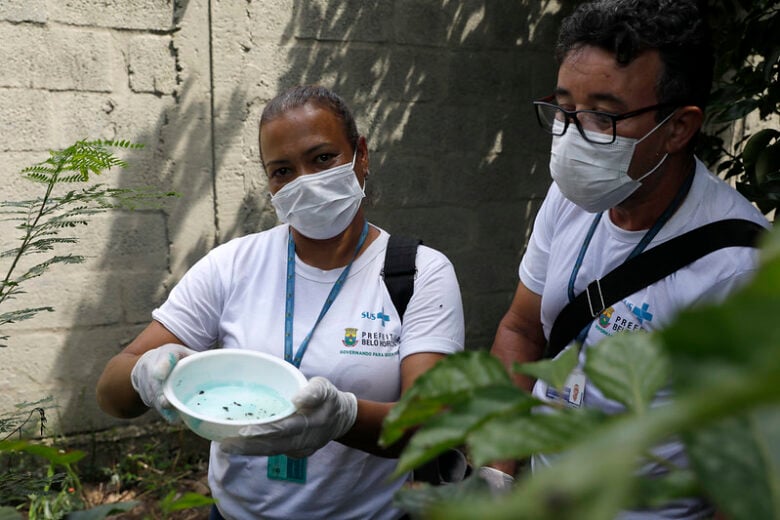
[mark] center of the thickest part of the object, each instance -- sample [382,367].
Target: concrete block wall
[441,90]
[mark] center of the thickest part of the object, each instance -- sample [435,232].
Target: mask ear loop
[658,165]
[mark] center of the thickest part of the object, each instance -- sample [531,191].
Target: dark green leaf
[103,511]
[449,429]
[519,436]
[756,143]
[447,383]
[9,513]
[418,500]
[767,163]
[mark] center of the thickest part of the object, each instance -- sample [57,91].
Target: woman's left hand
[323,414]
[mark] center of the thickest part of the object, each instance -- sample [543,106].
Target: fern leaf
[37,270]
[21,315]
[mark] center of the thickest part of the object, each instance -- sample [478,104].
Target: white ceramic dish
[220,391]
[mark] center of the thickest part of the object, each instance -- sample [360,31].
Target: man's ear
[683,126]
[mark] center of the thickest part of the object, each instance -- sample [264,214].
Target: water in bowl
[232,402]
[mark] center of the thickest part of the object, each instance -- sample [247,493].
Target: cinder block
[353,20]
[422,23]
[78,60]
[22,53]
[128,240]
[142,293]
[87,115]
[25,120]
[152,65]
[80,297]
[155,15]
[23,11]
[58,59]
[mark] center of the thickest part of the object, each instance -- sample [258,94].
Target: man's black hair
[627,28]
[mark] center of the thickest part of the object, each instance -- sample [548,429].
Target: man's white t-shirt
[235,298]
[558,235]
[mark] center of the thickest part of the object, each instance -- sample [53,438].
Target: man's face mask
[320,205]
[595,176]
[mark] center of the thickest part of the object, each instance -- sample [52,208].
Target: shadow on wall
[444,99]
[135,260]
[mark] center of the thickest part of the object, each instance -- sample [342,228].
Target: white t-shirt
[235,298]
[559,232]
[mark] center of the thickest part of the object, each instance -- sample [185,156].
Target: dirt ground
[144,463]
[149,507]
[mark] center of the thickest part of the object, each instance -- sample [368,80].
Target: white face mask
[595,176]
[320,205]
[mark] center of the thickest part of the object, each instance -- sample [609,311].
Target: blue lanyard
[289,307]
[643,243]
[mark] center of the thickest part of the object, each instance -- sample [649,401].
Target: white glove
[150,372]
[323,414]
[498,481]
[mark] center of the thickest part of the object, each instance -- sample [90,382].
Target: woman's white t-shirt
[234,297]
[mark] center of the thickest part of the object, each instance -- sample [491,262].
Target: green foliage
[174,501]
[68,202]
[722,363]
[747,81]
[43,220]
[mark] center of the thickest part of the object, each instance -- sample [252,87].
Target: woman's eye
[280,172]
[324,158]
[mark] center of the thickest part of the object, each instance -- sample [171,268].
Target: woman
[346,336]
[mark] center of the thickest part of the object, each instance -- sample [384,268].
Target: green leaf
[449,429]
[767,163]
[738,462]
[553,371]
[9,513]
[656,491]
[447,383]
[418,500]
[628,368]
[756,143]
[190,500]
[53,455]
[103,511]
[520,436]
[737,334]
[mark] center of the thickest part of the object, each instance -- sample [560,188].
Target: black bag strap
[644,270]
[400,269]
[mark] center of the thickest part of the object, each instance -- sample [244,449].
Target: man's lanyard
[646,239]
[289,307]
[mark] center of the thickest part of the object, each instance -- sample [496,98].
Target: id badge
[573,389]
[282,467]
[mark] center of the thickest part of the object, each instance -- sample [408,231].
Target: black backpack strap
[400,269]
[644,270]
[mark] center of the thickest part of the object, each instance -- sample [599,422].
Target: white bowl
[220,391]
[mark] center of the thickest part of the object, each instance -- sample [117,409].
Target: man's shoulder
[717,200]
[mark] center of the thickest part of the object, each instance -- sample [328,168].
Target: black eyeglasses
[596,127]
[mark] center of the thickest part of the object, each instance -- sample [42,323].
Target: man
[632,85]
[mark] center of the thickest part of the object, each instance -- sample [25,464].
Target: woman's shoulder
[253,242]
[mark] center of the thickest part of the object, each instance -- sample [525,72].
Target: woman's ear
[683,126]
[361,166]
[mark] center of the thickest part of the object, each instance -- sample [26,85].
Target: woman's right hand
[150,372]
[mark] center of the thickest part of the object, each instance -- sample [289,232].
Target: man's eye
[598,120]
[323,158]
[280,172]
